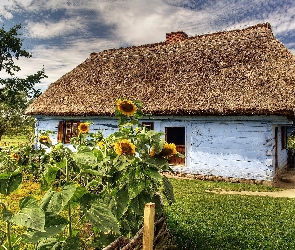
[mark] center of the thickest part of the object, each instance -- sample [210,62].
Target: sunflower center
[126,149]
[127,107]
[166,152]
[83,128]
[15,156]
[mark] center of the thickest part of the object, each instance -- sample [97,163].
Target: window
[67,130]
[284,137]
[149,125]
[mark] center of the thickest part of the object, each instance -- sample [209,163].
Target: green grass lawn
[204,220]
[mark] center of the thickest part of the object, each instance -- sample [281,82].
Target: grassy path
[286,193]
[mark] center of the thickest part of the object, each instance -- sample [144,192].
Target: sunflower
[15,156]
[124,147]
[44,139]
[152,152]
[100,144]
[83,127]
[126,107]
[169,149]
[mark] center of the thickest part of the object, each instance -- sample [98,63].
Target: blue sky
[61,34]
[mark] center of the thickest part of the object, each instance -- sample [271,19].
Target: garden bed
[162,239]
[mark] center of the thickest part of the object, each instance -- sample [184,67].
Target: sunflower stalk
[8,227]
[69,203]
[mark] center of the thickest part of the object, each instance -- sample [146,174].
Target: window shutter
[60,134]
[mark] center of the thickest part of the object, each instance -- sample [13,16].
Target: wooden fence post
[148,226]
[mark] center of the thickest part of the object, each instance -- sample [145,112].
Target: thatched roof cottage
[227,99]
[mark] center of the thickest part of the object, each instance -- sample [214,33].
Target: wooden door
[176,135]
[276,150]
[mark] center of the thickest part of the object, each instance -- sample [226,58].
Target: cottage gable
[238,72]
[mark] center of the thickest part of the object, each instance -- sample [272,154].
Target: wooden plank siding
[231,149]
[239,147]
[175,160]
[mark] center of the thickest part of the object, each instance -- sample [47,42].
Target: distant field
[8,141]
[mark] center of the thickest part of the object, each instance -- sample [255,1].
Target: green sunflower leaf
[30,215]
[10,182]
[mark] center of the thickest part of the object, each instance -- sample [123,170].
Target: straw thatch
[239,72]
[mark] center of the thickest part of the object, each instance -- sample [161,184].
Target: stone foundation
[218,178]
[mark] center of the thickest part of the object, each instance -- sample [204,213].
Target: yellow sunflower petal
[152,152]
[15,156]
[169,149]
[44,139]
[100,144]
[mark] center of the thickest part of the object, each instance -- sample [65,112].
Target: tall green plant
[105,181]
[30,215]
[291,141]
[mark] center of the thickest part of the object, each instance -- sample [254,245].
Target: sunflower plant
[122,171]
[104,182]
[126,166]
[29,214]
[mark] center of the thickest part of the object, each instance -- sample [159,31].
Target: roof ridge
[151,45]
[252,27]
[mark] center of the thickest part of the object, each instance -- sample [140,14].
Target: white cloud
[7,7]
[45,5]
[24,3]
[57,61]
[49,29]
[4,4]
[141,22]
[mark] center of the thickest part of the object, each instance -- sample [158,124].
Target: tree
[15,93]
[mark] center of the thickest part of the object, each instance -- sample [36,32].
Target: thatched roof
[239,72]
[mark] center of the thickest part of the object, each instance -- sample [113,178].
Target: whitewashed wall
[107,126]
[239,147]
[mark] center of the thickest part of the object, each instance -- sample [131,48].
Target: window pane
[75,129]
[71,130]
[149,125]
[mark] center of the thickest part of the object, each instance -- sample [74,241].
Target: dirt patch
[286,182]
[182,175]
[287,193]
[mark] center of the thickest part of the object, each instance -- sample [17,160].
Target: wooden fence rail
[148,226]
[158,235]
